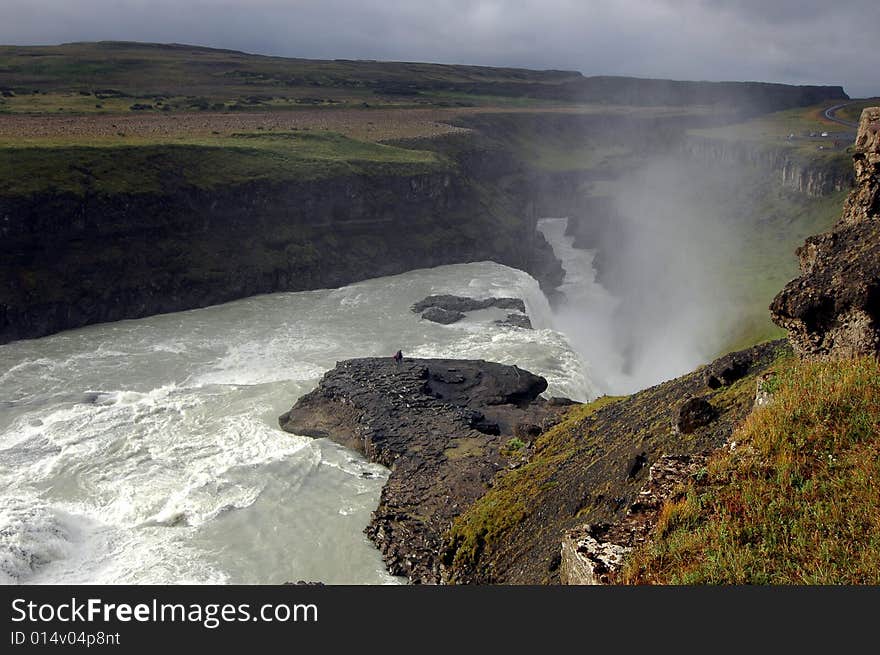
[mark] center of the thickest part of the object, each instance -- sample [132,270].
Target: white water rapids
[148,451]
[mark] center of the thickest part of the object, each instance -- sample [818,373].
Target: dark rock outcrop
[446,309]
[694,413]
[442,316]
[833,308]
[464,304]
[517,321]
[727,370]
[440,425]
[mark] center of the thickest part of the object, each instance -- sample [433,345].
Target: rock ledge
[440,425]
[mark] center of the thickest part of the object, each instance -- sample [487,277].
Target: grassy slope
[753,276]
[797,502]
[798,130]
[77,77]
[512,495]
[201,162]
[579,470]
[112,78]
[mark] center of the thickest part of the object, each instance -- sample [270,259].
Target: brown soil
[362,124]
[367,125]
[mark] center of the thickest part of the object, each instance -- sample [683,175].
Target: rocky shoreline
[445,428]
[460,434]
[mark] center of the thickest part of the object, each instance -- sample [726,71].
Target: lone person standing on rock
[398,357]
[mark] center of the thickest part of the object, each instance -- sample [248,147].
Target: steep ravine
[72,259]
[69,260]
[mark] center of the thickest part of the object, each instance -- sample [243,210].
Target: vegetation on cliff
[202,163]
[794,499]
[796,502]
[507,503]
[589,468]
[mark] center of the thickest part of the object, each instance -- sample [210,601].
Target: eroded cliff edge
[73,259]
[444,427]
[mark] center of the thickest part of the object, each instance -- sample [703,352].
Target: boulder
[694,413]
[465,304]
[727,370]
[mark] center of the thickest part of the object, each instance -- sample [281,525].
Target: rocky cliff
[817,176]
[833,308]
[444,427]
[69,259]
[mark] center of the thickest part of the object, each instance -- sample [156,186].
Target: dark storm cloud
[794,41]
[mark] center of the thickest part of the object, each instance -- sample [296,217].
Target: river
[148,451]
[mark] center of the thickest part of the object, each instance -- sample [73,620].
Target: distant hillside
[757,97]
[210,76]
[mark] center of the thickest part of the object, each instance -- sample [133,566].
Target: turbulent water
[625,352]
[584,312]
[148,451]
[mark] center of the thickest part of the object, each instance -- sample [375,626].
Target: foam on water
[148,451]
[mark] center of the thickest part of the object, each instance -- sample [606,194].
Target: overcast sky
[792,41]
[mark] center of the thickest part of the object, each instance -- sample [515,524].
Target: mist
[650,294]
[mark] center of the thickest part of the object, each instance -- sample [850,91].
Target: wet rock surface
[447,309]
[833,308]
[442,316]
[464,304]
[441,426]
[516,320]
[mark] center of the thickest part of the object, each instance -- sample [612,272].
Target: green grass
[177,73]
[796,502]
[508,501]
[143,168]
